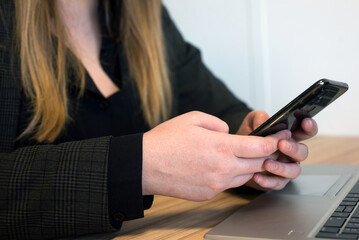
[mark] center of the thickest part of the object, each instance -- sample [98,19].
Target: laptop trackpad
[315,185]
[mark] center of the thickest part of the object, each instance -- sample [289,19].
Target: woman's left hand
[285,164]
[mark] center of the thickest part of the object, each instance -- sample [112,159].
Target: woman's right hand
[193,157]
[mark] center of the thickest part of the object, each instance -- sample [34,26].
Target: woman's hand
[278,172]
[193,157]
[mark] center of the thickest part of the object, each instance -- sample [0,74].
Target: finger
[284,170]
[207,121]
[255,147]
[240,180]
[309,128]
[249,166]
[270,182]
[296,151]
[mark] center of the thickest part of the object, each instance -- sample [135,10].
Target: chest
[84,38]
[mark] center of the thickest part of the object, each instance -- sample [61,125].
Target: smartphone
[307,104]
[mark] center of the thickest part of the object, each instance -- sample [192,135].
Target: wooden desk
[171,218]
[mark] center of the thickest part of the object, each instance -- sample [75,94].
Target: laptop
[320,204]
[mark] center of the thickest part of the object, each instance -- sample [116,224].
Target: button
[118,217]
[335,222]
[330,229]
[103,104]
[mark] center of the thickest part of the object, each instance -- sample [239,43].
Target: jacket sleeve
[51,191]
[195,87]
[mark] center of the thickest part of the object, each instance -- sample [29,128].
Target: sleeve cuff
[125,198]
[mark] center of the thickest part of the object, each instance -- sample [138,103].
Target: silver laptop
[321,204]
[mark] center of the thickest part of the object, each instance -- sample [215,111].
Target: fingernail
[288,146]
[309,123]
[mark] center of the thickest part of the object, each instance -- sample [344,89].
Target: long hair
[45,62]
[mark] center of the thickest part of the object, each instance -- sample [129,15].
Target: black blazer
[49,191]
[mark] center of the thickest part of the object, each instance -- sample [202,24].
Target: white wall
[272,50]
[308,40]
[219,29]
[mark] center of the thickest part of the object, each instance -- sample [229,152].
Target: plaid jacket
[46,191]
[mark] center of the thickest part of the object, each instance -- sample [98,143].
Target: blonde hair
[45,62]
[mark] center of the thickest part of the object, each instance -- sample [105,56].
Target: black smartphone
[307,104]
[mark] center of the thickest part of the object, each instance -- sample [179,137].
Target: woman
[103,104]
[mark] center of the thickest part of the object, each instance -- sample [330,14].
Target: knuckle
[279,186]
[266,147]
[295,150]
[193,114]
[224,149]
[215,187]
[225,127]
[291,148]
[265,183]
[196,113]
[281,169]
[281,183]
[246,167]
[273,183]
[217,179]
[209,195]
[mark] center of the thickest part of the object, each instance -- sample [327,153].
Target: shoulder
[178,50]
[172,36]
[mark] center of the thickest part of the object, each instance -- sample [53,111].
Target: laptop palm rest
[291,213]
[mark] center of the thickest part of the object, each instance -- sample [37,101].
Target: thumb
[207,121]
[254,147]
[259,118]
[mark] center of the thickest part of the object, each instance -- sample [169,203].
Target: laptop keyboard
[344,222]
